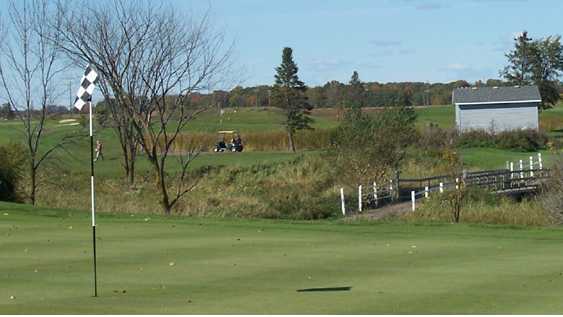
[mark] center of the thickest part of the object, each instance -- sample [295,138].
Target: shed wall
[499,117]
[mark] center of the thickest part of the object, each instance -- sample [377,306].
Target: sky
[384,40]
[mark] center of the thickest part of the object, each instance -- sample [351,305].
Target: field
[253,120]
[154,265]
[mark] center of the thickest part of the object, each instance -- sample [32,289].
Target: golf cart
[234,142]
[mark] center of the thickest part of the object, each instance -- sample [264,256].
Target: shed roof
[473,95]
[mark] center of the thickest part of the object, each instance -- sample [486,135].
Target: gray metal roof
[495,94]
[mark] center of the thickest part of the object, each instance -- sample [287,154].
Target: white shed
[496,108]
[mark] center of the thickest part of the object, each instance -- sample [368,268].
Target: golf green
[150,264]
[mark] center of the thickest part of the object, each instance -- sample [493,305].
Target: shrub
[476,138]
[368,148]
[521,140]
[552,196]
[12,159]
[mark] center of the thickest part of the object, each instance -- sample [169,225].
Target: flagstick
[92,196]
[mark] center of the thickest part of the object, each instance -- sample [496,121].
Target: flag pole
[92,199]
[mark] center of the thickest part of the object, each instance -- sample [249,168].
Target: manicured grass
[486,158]
[154,265]
[110,166]
[443,116]
[249,119]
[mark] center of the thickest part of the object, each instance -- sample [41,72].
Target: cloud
[456,66]
[385,43]
[326,64]
[386,47]
[424,5]
[430,6]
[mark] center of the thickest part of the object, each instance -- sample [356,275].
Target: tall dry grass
[256,141]
[551,123]
[486,211]
[299,189]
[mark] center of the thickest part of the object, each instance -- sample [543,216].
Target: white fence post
[511,170]
[521,169]
[540,163]
[413,199]
[375,192]
[360,198]
[441,187]
[531,166]
[426,193]
[343,204]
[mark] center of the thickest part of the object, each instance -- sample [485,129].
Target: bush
[552,196]
[521,140]
[12,159]
[368,148]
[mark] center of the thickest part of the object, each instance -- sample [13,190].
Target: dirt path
[393,210]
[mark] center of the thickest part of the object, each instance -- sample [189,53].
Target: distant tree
[355,95]
[288,94]
[236,97]
[405,98]
[317,97]
[370,147]
[12,163]
[547,66]
[495,82]
[519,68]
[29,67]
[6,112]
[103,114]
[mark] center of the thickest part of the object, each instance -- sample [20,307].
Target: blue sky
[401,40]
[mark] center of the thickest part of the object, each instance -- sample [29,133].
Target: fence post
[426,194]
[540,163]
[511,170]
[507,165]
[531,166]
[413,199]
[457,183]
[521,169]
[441,187]
[375,192]
[343,204]
[397,184]
[360,198]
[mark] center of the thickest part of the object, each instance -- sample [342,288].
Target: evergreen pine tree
[519,70]
[288,93]
[355,92]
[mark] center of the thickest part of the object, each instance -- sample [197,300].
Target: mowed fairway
[149,264]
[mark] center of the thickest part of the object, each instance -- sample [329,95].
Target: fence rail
[498,181]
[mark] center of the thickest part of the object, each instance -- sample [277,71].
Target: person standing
[99,148]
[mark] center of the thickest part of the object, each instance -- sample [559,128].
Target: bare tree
[110,37]
[29,66]
[182,57]
[150,59]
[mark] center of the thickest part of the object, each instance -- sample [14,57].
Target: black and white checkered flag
[87,85]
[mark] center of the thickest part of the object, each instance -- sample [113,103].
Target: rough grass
[155,265]
[299,188]
[496,211]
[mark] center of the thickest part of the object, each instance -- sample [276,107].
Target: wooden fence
[499,181]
